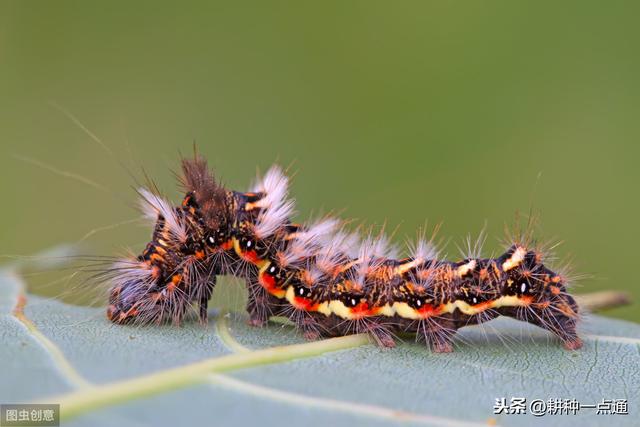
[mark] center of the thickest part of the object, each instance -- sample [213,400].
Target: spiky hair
[307,242]
[156,207]
[209,195]
[276,207]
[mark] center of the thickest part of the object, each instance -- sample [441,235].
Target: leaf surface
[227,373]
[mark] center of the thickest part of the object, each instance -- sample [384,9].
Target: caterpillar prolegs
[321,277]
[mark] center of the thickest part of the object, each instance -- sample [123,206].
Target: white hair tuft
[153,206]
[276,207]
[308,242]
[424,250]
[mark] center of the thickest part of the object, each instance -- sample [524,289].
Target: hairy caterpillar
[321,277]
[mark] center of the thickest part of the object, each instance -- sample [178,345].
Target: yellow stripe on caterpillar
[236,246]
[259,262]
[465,307]
[511,301]
[403,268]
[290,294]
[338,308]
[404,310]
[324,308]
[464,269]
[387,310]
[516,258]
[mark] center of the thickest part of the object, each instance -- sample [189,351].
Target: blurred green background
[462,112]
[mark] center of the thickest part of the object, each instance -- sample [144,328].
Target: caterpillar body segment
[321,277]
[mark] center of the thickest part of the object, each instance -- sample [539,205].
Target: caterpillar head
[208,204]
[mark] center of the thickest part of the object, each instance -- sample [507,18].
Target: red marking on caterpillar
[270,284]
[428,310]
[320,276]
[250,256]
[304,304]
[268,281]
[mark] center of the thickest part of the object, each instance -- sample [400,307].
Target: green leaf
[227,373]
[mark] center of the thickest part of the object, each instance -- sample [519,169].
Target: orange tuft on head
[555,290]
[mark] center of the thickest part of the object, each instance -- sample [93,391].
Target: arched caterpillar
[321,277]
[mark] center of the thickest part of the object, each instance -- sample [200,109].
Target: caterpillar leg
[441,342]
[439,346]
[436,333]
[383,337]
[178,311]
[258,315]
[310,328]
[258,303]
[309,323]
[380,331]
[262,306]
[204,300]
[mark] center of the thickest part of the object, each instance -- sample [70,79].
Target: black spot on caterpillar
[323,278]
